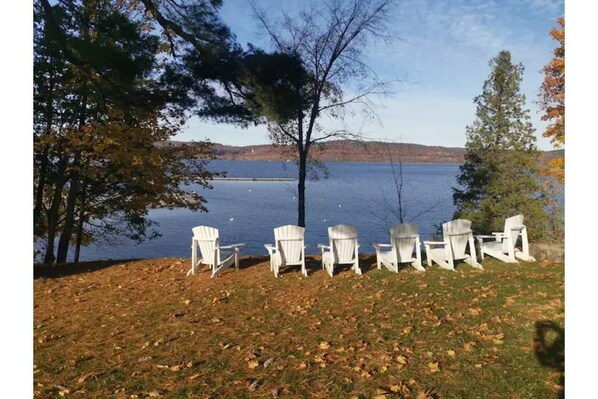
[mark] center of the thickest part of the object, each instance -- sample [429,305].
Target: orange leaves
[552,93]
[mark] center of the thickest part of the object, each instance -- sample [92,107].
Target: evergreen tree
[500,176]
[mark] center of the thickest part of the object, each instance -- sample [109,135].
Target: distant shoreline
[352,151]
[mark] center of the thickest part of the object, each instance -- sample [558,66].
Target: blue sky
[440,56]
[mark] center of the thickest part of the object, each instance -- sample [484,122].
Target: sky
[439,58]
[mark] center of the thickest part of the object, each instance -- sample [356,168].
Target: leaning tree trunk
[301,189]
[69,219]
[53,212]
[39,191]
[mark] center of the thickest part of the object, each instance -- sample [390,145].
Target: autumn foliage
[552,98]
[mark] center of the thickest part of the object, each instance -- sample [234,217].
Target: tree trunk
[80,221]
[301,189]
[79,234]
[39,192]
[69,220]
[52,215]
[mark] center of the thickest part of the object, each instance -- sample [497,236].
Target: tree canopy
[552,98]
[500,176]
[104,108]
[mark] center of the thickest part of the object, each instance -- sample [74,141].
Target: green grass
[141,328]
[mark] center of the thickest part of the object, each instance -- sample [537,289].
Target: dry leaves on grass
[403,330]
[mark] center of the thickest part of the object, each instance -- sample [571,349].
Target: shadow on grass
[313,264]
[69,269]
[249,261]
[549,347]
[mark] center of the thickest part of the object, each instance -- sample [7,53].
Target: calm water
[355,193]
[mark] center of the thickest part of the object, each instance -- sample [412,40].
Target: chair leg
[236,258]
[428,258]
[193,258]
[357,268]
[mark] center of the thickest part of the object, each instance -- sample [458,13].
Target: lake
[355,193]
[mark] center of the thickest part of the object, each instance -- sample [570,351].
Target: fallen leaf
[88,376]
[324,345]
[450,352]
[302,366]
[253,386]
[253,364]
[433,367]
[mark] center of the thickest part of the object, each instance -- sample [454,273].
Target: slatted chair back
[457,233]
[289,243]
[343,243]
[513,227]
[403,238]
[208,240]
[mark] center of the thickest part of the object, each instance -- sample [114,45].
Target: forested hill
[353,151]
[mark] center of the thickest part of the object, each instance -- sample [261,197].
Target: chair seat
[495,246]
[387,256]
[226,255]
[438,252]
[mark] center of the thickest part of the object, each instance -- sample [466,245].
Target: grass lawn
[134,329]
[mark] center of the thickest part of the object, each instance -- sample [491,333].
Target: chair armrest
[380,246]
[271,248]
[232,246]
[480,237]
[435,243]
[323,247]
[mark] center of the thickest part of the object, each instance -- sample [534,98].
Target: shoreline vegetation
[141,328]
[353,151]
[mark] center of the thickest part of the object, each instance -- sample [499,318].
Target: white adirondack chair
[457,237]
[218,257]
[503,246]
[343,248]
[288,250]
[404,241]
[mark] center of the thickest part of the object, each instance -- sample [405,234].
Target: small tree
[552,99]
[500,176]
[330,42]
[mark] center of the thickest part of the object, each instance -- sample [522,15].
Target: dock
[253,179]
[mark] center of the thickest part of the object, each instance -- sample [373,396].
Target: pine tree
[500,176]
